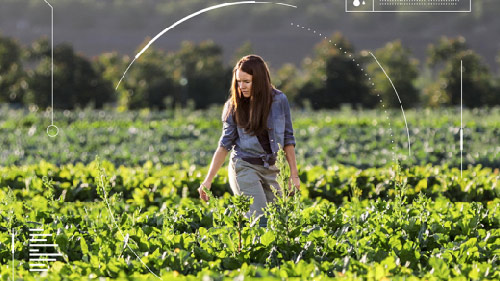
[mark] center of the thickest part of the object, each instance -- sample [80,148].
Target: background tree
[76,82]
[498,62]
[401,68]
[201,74]
[194,74]
[446,49]
[332,78]
[111,66]
[150,82]
[12,76]
[288,80]
[243,50]
[38,49]
[477,81]
[496,82]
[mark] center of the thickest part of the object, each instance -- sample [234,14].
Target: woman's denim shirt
[280,131]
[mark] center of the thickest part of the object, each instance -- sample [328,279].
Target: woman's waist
[264,159]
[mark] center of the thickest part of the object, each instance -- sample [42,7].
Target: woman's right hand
[203,194]
[217,161]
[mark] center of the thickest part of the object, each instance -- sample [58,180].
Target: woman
[256,118]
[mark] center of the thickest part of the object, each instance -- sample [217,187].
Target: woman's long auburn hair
[251,113]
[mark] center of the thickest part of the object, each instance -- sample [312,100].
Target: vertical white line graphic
[52,134]
[52,60]
[13,250]
[461,117]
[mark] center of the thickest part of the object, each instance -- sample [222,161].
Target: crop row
[357,138]
[149,183]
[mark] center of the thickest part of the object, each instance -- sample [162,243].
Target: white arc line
[52,61]
[40,234]
[406,124]
[34,240]
[392,84]
[34,250]
[189,17]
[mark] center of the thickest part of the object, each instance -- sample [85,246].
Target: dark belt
[259,161]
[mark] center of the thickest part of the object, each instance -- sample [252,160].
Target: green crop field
[132,213]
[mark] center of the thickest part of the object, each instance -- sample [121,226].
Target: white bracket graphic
[408,6]
[35,253]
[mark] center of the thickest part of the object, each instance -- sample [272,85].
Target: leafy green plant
[103,186]
[236,214]
[49,188]
[284,214]
[9,203]
[356,192]
[400,190]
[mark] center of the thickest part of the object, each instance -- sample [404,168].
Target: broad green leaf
[267,238]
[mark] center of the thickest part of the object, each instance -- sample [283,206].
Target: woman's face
[244,81]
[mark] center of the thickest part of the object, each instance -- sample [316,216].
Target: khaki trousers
[254,181]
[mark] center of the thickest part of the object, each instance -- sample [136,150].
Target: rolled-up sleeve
[229,130]
[289,137]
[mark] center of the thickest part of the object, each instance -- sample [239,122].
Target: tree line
[196,76]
